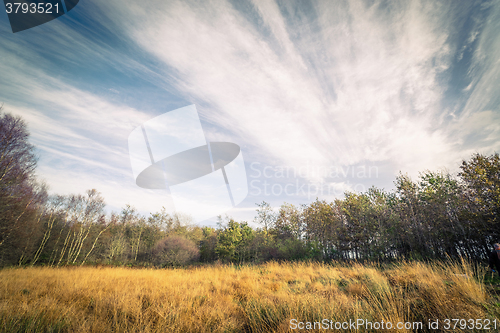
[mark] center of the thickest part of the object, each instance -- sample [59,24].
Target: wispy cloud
[294,83]
[81,136]
[336,82]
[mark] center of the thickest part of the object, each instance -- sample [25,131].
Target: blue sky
[322,96]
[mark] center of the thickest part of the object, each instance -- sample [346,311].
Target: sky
[322,97]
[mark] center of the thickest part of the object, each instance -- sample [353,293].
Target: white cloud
[353,83]
[477,127]
[82,137]
[336,83]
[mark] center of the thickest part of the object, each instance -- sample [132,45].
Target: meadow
[272,297]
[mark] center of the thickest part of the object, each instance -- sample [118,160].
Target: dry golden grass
[260,298]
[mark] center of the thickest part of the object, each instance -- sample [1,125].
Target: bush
[175,251]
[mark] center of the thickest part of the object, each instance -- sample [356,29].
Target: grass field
[265,298]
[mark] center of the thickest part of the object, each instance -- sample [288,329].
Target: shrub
[175,250]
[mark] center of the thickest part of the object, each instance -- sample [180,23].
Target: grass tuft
[262,298]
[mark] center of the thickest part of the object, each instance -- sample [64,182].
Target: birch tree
[81,214]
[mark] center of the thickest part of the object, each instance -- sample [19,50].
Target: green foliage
[438,216]
[481,178]
[208,245]
[233,242]
[289,223]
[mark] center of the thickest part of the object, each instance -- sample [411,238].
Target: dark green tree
[234,242]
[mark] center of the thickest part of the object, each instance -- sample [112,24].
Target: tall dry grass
[262,298]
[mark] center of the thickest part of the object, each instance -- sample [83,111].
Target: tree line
[438,216]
